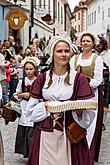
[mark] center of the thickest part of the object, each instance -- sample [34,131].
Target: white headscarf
[74,48]
[52,43]
[35,61]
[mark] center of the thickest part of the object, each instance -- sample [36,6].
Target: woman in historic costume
[3,65]
[25,128]
[60,83]
[91,65]
[104,52]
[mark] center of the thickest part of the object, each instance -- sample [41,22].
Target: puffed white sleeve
[18,90]
[2,60]
[86,118]
[19,87]
[72,63]
[98,73]
[36,110]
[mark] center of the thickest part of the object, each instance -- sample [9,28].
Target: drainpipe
[54,15]
[31,20]
[65,16]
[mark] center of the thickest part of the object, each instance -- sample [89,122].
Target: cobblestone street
[9,132]
[105,146]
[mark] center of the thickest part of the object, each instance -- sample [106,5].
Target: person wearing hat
[25,128]
[91,65]
[104,52]
[74,50]
[3,65]
[50,144]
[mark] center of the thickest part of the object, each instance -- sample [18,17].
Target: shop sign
[16,19]
[41,12]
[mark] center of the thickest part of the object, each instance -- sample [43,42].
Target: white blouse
[23,103]
[98,68]
[57,91]
[106,59]
[94,83]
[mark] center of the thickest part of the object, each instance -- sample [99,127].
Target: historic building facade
[39,18]
[92,16]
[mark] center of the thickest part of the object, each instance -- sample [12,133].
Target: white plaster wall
[100,27]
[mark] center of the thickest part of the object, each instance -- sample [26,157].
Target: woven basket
[57,106]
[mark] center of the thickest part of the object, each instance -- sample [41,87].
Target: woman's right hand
[23,95]
[46,104]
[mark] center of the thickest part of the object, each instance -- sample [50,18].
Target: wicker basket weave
[57,106]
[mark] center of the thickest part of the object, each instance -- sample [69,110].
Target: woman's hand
[46,104]
[23,95]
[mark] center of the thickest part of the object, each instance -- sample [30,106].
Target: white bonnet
[53,41]
[35,61]
[74,48]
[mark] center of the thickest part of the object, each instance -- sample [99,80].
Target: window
[40,4]
[44,4]
[103,15]
[94,16]
[58,11]
[98,9]
[75,17]
[49,6]
[78,28]
[55,9]
[78,16]
[88,20]
[34,2]
[108,12]
[61,15]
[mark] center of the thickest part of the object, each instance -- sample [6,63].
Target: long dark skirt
[24,139]
[13,84]
[106,94]
[96,142]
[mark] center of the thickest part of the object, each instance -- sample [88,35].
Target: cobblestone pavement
[9,132]
[8,135]
[105,145]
